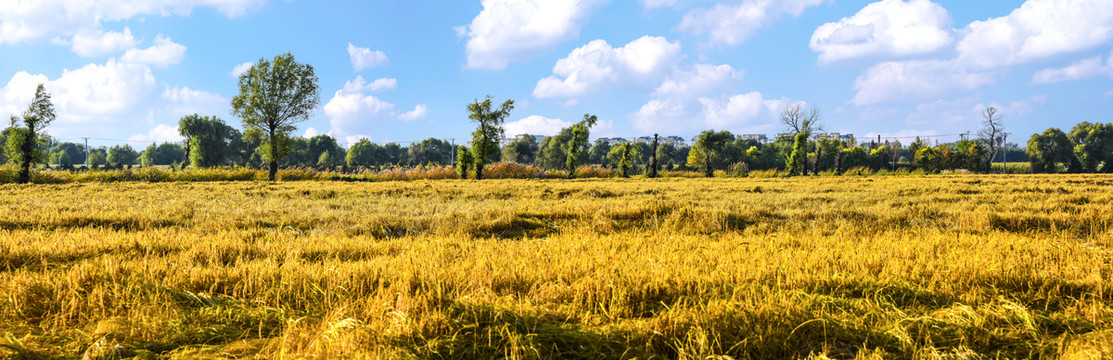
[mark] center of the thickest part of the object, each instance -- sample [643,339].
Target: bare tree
[798,120]
[991,134]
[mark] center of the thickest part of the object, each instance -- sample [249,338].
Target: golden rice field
[902,267]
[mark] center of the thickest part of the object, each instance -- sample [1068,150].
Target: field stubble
[881,267]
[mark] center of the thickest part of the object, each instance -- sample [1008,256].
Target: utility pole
[86,151]
[453,150]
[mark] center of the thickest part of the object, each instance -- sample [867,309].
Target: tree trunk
[707,170]
[478,171]
[29,144]
[274,157]
[653,159]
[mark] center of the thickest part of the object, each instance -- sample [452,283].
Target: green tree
[1047,150]
[164,154]
[666,154]
[274,96]
[206,140]
[122,155]
[522,150]
[485,139]
[98,157]
[464,161]
[362,153]
[430,151]
[623,156]
[321,144]
[795,161]
[711,145]
[24,143]
[577,147]
[1093,146]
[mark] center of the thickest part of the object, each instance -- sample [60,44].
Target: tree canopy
[274,96]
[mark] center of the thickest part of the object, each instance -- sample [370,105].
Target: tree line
[275,95]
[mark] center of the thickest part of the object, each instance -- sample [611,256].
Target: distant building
[675,140]
[761,138]
[613,140]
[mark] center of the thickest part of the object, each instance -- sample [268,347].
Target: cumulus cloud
[95,43]
[535,125]
[361,85]
[161,133]
[650,4]
[731,23]
[597,66]
[364,58]
[888,27]
[28,21]
[513,30]
[241,69]
[911,80]
[418,112]
[162,54]
[1038,29]
[1082,69]
[701,79]
[94,95]
[181,101]
[749,112]
[352,112]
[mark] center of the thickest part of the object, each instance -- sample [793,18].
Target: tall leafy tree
[163,154]
[274,96]
[206,140]
[1047,150]
[1093,146]
[623,156]
[431,150]
[360,154]
[24,145]
[711,144]
[485,139]
[522,150]
[320,145]
[599,152]
[578,145]
[122,155]
[464,161]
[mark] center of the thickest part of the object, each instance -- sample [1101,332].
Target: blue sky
[404,70]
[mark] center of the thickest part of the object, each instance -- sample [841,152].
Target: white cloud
[95,43]
[311,132]
[650,4]
[702,79]
[351,112]
[1038,29]
[512,30]
[750,112]
[361,85]
[161,133]
[732,23]
[889,27]
[91,97]
[598,66]
[364,58]
[535,125]
[185,101]
[241,69]
[162,54]
[911,80]
[418,112]
[28,21]
[1083,69]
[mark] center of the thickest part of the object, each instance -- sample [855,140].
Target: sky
[401,71]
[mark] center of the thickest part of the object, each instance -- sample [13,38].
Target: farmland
[881,267]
